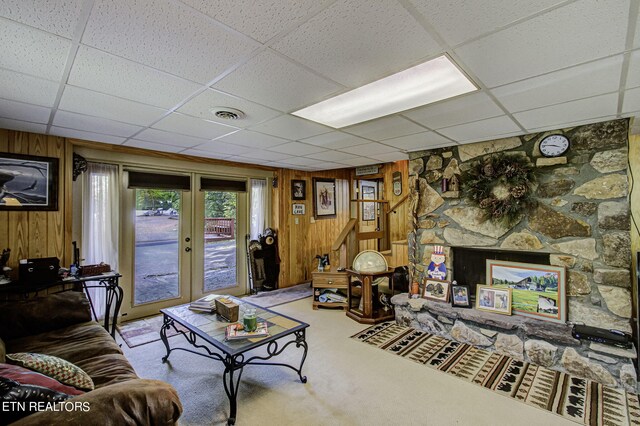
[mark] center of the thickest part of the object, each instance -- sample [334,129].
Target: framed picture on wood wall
[28,182]
[298,190]
[324,198]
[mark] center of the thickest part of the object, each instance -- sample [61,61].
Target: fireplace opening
[469,264]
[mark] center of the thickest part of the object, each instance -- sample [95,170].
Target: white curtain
[258,207]
[100,222]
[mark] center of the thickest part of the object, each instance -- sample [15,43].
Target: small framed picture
[298,208]
[298,189]
[460,296]
[493,299]
[436,290]
[324,198]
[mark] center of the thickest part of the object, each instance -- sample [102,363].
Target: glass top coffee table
[209,329]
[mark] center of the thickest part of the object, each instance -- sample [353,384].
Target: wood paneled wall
[300,242]
[398,222]
[38,233]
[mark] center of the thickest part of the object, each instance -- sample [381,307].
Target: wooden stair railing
[344,243]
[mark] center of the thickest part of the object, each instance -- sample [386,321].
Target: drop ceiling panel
[277,83]
[201,105]
[24,88]
[482,129]
[22,111]
[87,123]
[360,161]
[187,125]
[76,99]
[557,39]
[205,154]
[385,128]
[335,140]
[461,20]
[633,77]
[597,106]
[390,157]
[136,143]
[264,155]
[297,148]
[165,35]
[90,136]
[419,141]
[583,81]
[290,127]
[160,136]
[328,166]
[260,20]
[631,100]
[222,148]
[25,49]
[361,41]
[369,149]
[23,126]
[57,17]
[302,161]
[332,156]
[459,110]
[253,139]
[573,124]
[99,71]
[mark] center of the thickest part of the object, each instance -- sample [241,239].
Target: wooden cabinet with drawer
[325,280]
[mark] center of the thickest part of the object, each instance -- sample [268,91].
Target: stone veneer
[582,221]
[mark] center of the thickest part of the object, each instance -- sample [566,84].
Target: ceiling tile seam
[24,103]
[426,127]
[218,139]
[159,143]
[219,24]
[31,27]
[233,95]
[634,8]
[304,143]
[572,123]
[21,120]
[29,75]
[81,25]
[431,30]
[516,22]
[567,102]
[296,24]
[115,96]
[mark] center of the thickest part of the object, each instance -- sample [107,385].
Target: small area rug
[280,296]
[143,331]
[580,400]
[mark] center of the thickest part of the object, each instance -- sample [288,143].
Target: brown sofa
[61,325]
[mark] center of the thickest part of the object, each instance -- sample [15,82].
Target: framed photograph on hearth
[538,290]
[434,289]
[492,299]
[460,296]
[298,190]
[324,198]
[28,182]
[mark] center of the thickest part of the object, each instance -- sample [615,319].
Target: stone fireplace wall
[581,220]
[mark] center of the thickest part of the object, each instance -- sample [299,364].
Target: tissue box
[227,309]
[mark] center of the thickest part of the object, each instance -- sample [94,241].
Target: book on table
[236,331]
[204,304]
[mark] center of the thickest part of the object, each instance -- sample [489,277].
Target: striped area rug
[573,398]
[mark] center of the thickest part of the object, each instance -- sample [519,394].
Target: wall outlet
[296,221]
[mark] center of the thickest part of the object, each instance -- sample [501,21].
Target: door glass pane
[157,231]
[220,240]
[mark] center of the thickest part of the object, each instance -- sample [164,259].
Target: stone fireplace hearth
[581,222]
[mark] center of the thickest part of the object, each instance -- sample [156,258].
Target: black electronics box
[601,335]
[39,271]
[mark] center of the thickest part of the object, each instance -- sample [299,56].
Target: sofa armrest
[134,402]
[44,313]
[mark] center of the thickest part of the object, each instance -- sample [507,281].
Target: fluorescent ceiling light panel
[423,84]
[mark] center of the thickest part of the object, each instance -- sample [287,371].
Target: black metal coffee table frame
[235,360]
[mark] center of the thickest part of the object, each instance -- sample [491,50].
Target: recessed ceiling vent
[227,113]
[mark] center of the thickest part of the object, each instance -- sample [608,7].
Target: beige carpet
[349,383]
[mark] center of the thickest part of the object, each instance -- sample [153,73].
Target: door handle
[187,249]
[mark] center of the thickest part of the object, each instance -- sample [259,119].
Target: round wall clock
[554,145]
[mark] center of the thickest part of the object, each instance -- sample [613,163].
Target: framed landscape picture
[324,198]
[28,182]
[493,299]
[538,290]
[298,190]
[436,290]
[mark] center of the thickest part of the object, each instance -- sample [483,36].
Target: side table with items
[366,303]
[329,289]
